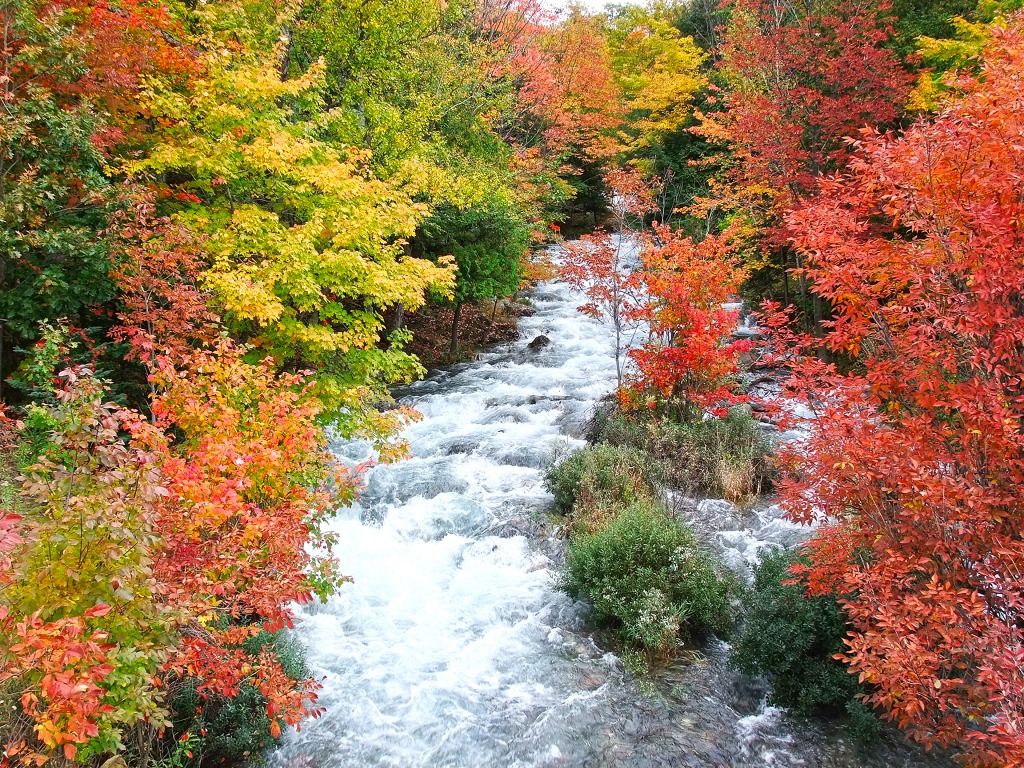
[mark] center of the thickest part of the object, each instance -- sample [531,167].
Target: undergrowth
[792,640]
[725,458]
[646,577]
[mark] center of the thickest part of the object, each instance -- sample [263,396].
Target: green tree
[307,245]
[54,197]
[488,242]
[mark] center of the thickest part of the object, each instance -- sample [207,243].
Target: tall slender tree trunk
[618,353]
[785,279]
[397,317]
[819,328]
[801,282]
[454,349]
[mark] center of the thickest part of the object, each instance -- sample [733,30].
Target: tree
[602,265]
[914,19]
[159,266]
[800,78]
[248,486]
[150,553]
[915,461]
[566,98]
[70,74]
[658,71]
[306,245]
[956,45]
[489,244]
[82,627]
[688,359]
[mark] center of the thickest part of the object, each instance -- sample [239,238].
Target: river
[454,646]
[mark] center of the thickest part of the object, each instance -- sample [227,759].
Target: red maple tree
[915,462]
[603,265]
[801,78]
[247,489]
[562,77]
[158,264]
[689,358]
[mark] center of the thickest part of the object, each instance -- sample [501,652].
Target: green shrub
[234,731]
[600,476]
[862,723]
[727,457]
[792,640]
[36,436]
[645,576]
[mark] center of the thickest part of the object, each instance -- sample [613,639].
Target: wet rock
[505,415]
[717,508]
[430,481]
[539,343]
[459,447]
[752,333]
[531,456]
[535,399]
[517,525]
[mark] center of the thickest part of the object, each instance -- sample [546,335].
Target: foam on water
[439,652]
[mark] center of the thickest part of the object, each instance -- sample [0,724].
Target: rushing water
[454,647]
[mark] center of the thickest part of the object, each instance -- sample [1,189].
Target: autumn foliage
[915,462]
[797,79]
[689,359]
[143,559]
[208,215]
[214,217]
[248,485]
[813,74]
[662,288]
[164,310]
[603,265]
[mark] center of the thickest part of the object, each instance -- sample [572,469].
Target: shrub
[645,576]
[134,539]
[602,476]
[726,457]
[233,731]
[792,640]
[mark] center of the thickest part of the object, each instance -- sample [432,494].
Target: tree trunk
[397,316]
[454,349]
[287,55]
[819,329]
[801,280]
[785,280]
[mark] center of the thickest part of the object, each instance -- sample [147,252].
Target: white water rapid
[454,647]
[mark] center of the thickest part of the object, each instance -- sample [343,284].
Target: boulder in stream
[539,342]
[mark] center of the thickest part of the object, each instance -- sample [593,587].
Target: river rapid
[454,647]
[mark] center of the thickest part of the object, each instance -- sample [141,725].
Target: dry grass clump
[724,458]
